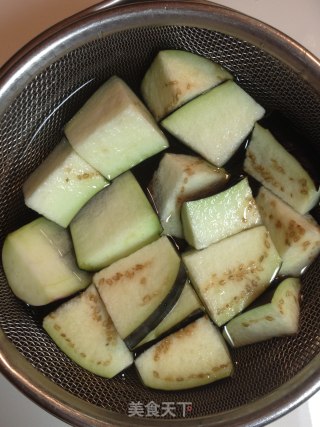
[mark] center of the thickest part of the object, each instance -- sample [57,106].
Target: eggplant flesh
[139,286]
[296,236]
[272,165]
[230,274]
[193,356]
[214,218]
[84,331]
[278,318]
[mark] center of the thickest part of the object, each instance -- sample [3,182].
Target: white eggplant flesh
[40,264]
[114,131]
[230,274]
[296,236]
[193,356]
[116,222]
[272,165]
[175,77]
[180,178]
[83,330]
[209,220]
[216,123]
[133,288]
[278,318]
[61,185]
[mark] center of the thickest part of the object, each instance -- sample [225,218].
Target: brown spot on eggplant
[276,165]
[119,275]
[162,348]
[156,374]
[269,318]
[143,281]
[56,327]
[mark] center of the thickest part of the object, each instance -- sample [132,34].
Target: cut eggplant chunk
[187,304]
[193,356]
[214,218]
[134,288]
[40,264]
[175,77]
[232,273]
[180,178]
[115,223]
[216,123]
[276,319]
[296,237]
[114,131]
[61,185]
[272,165]
[84,331]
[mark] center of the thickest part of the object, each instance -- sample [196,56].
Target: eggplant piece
[175,77]
[187,305]
[143,286]
[61,185]
[278,318]
[40,265]
[272,165]
[296,237]
[83,330]
[214,218]
[193,356]
[114,131]
[179,178]
[116,222]
[216,123]
[232,273]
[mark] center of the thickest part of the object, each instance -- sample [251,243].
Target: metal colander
[40,90]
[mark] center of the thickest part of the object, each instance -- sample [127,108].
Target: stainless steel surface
[46,102]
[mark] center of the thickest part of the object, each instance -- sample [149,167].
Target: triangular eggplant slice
[296,237]
[193,356]
[272,165]
[141,286]
[278,318]
[84,331]
[175,77]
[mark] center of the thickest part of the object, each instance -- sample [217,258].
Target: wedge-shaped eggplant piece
[139,290]
[180,178]
[40,265]
[61,185]
[271,164]
[232,273]
[83,330]
[175,77]
[114,131]
[116,222]
[206,221]
[193,356]
[187,305]
[278,318]
[216,123]
[296,237]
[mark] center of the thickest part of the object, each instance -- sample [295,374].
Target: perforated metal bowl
[40,89]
